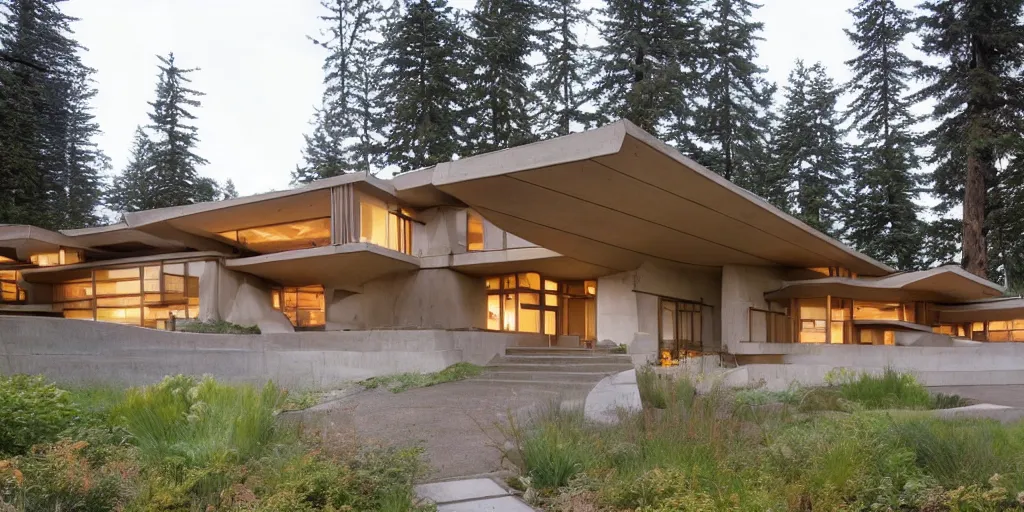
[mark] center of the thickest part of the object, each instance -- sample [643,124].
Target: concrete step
[541,351]
[566,376]
[564,359]
[530,366]
[552,385]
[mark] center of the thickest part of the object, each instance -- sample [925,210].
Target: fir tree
[49,164]
[563,78]
[423,98]
[736,119]
[809,149]
[882,219]
[647,69]
[229,192]
[365,153]
[131,188]
[978,94]
[499,97]
[329,150]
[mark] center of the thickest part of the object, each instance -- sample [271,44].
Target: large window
[385,228]
[146,296]
[9,290]
[680,328]
[813,320]
[474,231]
[767,326]
[62,257]
[304,306]
[994,331]
[283,237]
[833,272]
[522,302]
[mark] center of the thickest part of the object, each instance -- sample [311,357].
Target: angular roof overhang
[946,283]
[1009,308]
[548,263]
[616,197]
[346,266]
[18,241]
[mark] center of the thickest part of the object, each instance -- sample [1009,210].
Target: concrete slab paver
[460,490]
[505,504]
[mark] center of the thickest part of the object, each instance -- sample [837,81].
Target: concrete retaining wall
[77,351]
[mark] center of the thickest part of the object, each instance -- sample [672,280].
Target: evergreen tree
[365,152]
[736,119]
[229,192]
[499,97]
[647,69]
[423,98]
[329,149]
[49,164]
[564,76]
[978,93]
[882,219]
[131,188]
[809,149]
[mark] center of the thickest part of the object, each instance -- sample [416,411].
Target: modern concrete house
[608,234]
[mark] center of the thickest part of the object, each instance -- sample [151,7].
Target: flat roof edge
[603,141]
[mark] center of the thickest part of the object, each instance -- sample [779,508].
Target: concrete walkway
[1010,395]
[458,424]
[471,495]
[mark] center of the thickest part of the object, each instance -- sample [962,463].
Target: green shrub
[32,411]
[183,422]
[944,401]
[754,397]
[891,390]
[556,452]
[218,327]
[405,381]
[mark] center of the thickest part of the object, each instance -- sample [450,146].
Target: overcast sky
[262,77]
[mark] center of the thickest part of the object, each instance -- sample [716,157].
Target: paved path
[471,495]
[456,423]
[1012,396]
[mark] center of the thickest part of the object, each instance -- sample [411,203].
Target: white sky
[262,77]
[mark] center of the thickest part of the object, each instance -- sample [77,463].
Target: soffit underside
[346,266]
[555,267]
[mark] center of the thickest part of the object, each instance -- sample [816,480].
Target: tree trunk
[975,258]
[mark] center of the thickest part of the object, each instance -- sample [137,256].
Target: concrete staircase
[556,367]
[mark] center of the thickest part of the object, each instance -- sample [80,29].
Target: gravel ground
[456,423]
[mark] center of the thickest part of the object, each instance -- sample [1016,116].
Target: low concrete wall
[980,357]
[76,351]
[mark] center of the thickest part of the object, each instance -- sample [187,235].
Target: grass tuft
[891,390]
[400,382]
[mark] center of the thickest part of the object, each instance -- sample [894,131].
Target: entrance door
[579,310]
[680,328]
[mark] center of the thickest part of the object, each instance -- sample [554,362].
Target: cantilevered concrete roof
[60,273]
[1004,308]
[345,266]
[548,263]
[18,241]
[616,197]
[946,283]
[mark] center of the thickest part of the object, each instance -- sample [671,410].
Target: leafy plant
[32,411]
[892,389]
[405,381]
[662,391]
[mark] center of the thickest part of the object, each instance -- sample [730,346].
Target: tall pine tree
[735,121]
[810,154]
[423,98]
[648,67]
[499,97]
[49,163]
[978,93]
[882,219]
[339,123]
[563,79]
[164,163]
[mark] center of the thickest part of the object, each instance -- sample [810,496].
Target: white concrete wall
[627,302]
[79,351]
[742,288]
[424,299]
[241,298]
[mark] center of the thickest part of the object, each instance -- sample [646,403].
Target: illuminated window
[5,259]
[812,321]
[877,337]
[767,326]
[283,237]
[474,231]
[62,257]
[146,296]
[9,289]
[516,302]
[833,272]
[303,306]
[1005,330]
[380,227]
[863,310]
